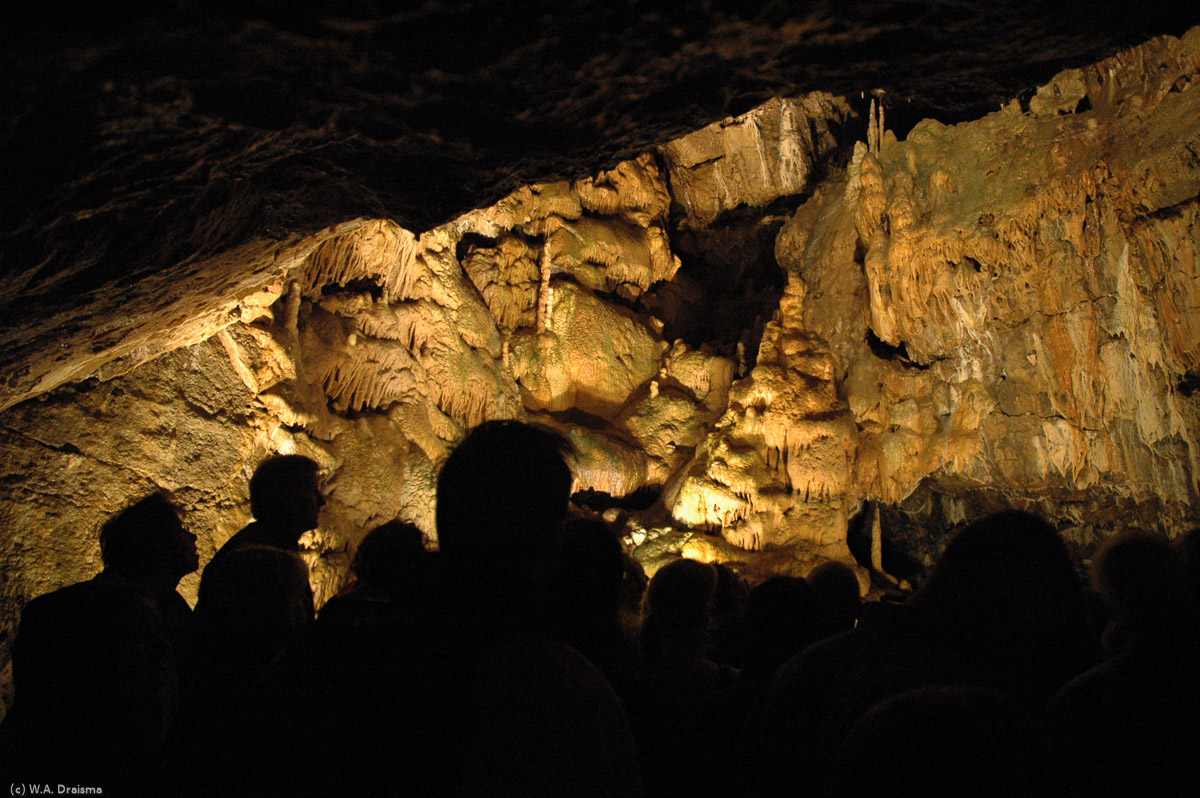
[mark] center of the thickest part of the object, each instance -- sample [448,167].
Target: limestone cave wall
[753,335]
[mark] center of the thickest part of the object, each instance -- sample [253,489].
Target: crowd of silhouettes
[529,655]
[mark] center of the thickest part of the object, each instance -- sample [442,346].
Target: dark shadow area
[898,352]
[641,499]
[896,560]
[858,536]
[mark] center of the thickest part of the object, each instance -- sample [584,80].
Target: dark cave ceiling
[164,133]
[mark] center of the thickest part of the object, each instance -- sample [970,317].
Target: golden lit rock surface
[758,157]
[1013,301]
[591,356]
[672,413]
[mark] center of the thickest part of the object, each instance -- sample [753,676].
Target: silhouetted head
[503,492]
[285,493]
[731,594]
[1143,582]
[783,617]
[593,565]
[588,595]
[680,594]
[633,587]
[387,555]
[991,558]
[835,586]
[147,543]
[1007,576]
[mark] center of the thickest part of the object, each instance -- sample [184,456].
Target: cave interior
[798,285]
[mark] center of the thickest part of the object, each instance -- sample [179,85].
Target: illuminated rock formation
[756,158]
[1013,301]
[775,473]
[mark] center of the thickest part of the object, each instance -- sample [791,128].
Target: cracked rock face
[752,334]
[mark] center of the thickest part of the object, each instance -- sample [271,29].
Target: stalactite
[545,267]
[872,130]
[380,252]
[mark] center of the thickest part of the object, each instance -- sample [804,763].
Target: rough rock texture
[754,159]
[1000,312]
[1012,302]
[776,470]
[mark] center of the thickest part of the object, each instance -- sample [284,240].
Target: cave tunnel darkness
[229,230]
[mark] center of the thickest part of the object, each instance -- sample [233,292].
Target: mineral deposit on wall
[1004,312]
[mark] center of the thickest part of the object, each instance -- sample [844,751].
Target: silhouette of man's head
[1143,581]
[593,564]
[503,492]
[680,594]
[387,556]
[285,493]
[836,587]
[147,543]
[1005,581]
[1005,562]
[782,617]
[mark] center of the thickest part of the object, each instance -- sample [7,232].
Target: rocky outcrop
[1012,301]
[755,158]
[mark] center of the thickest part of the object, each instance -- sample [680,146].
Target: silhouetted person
[95,692]
[286,501]
[466,692]
[94,674]
[1132,724]
[502,499]
[388,578]
[254,605]
[147,548]
[385,562]
[684,719]
[386,557]
[633,592]
[1002,609]
[727,624]
[835,586]
[503,493]
[588,614]
[543,721]
[941,741]
[783,617]
[675,639]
